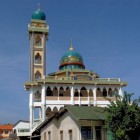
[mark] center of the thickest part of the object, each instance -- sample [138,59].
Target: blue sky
[105,32]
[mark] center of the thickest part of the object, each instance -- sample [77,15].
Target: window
[61,135]
[98,132]
[45,136]
[86,132]
[70,134]
[6,131]
[38,58]
[38,41]
[49,135]
[37,75]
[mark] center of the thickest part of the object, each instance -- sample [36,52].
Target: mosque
[71,85]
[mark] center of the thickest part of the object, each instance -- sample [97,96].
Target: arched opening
[110,92]
[104,92]
[38,75]
[116,93]
[38,41]
[55,110]
[37,95]
[38,58]
[83,92]
[98,92]
[61,91]
[55,92]
[48,111]
[49,92]
[67,92]
[90,93]
[76,93]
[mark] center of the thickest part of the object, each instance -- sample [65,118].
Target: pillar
[43,102]
[72,95]
[31,107]
[94,95]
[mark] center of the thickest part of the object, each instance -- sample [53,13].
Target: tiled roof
[6,127]
[86,112]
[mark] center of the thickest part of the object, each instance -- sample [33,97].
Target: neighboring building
[75,123]
[5,130]
[21,130]
[71,85]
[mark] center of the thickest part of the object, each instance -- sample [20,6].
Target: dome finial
[38,5]
[71,48]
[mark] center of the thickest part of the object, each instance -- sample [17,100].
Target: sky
[105,32]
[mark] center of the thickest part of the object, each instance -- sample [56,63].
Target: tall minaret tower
[38,36]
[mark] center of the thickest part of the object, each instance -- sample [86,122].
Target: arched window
[37,75]
[38,58]
[38,41]
[37,94]
[104,92]
[67,92]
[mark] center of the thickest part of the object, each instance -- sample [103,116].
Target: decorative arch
[83,92]
[38,75]
[104,92]
[116,92]
[61,91]
[38,41]
[110,92]
[38,58]
[67,92]
[98,92]
[49,91]
[37,94]
[55,91]
[90,93]
[48,111]
[55,109]
[76,93]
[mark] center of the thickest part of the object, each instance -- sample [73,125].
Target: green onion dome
[71,60]
[38,15]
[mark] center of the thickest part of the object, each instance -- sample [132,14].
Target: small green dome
[71,60]
[38,15]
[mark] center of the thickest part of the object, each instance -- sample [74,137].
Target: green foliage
[123,116]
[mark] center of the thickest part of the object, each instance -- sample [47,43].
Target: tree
[123,116]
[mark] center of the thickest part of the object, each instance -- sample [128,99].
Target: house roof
[86,112]
[19,122]
[79,113]
[6,127]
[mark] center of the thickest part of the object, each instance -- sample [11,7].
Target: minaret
[38,36]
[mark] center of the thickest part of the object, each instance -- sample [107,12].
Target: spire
[71,48]
[38,5]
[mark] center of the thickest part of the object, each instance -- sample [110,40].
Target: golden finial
[38,5]
[71,48]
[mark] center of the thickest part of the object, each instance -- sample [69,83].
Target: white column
[31,107]
[72,95]
[79,97]
[120,91]
[43,102]
[94,96]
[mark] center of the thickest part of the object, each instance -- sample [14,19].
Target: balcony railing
[83,78]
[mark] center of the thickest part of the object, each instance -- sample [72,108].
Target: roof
[86,112]
[19,122]
[6,127]
[79,113]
